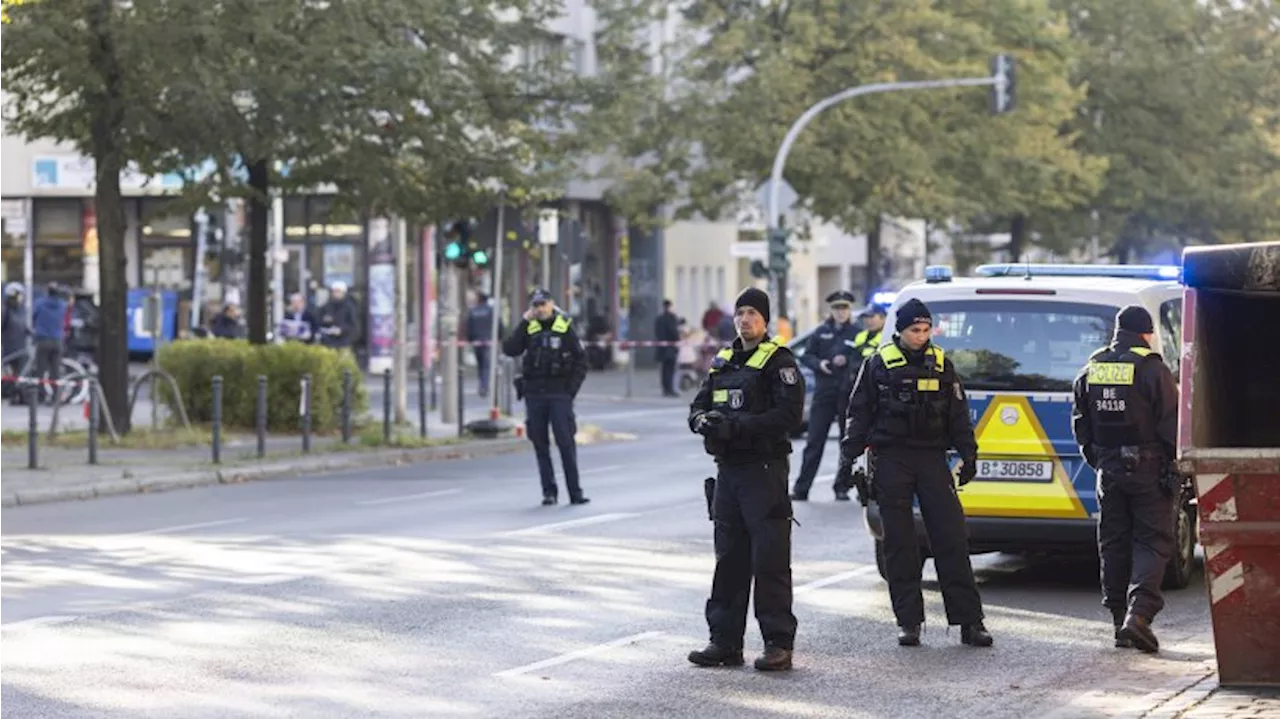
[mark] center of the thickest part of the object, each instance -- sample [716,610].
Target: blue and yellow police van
[1018,334]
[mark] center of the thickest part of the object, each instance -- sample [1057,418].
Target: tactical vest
[1121,415]
[914,400]
[548,353]
[865,343]
[739,390]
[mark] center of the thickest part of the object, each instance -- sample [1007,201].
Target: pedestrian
[339,320]
[828,353]
[14,336]
[479,332]
[298,324]
[666,328]
[909,405]
[1125,418]
[553,369]
[746,409]
[227,324]
[48,328]
[712,318]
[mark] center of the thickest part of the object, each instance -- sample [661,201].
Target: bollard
[462,404]
[262,416]
[435,384]
[216,420]
[631,368]
[422,402]
[346,406]
[33,426]
[93,419]
[386,406]
[305,412]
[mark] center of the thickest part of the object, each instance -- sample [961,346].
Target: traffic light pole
[780,160]
[494,347]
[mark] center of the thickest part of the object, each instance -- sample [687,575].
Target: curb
[269,470]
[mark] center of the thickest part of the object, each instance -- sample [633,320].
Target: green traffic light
[453,250]
[480,257]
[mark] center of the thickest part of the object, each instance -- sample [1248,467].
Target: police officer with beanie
[746,409]
[1125,419]
[554,368]
[909,407]
[829,352]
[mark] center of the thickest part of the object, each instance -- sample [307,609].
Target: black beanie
[1135,319]
[758,299]
[911,312]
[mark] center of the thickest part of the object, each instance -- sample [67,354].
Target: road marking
[602,470]
[578,654]
[408,497]
[184,527]
[42,621]
[580,522]
[835,579]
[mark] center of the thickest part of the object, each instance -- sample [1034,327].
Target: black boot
[774,659]
[548,500]
[909,636]
[1137,630]
[715,655]
[975,635]
[800,496]
[578,500]
[842,495]
[1117,620]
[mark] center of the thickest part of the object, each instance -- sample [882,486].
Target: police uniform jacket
[905,398]
[761,394]
[554,361]
[865,344]
[1125,397]
[830,340]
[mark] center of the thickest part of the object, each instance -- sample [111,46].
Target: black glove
[845,471]
[707,423]
[968,470]
[725,426]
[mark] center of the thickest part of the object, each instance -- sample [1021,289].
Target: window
[553,55]
[1021,346]
[1171,335]
[325,222]
[166,246]
[59,242]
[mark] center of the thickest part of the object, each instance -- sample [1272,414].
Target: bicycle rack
[95,386]
[152,374]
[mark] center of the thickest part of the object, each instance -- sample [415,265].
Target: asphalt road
[445,590]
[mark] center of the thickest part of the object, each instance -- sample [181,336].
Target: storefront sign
[73,172]
[382,296]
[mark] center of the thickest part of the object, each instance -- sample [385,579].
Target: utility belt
[1134,457]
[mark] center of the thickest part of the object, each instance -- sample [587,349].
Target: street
[445,590]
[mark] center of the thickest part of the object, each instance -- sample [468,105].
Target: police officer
[867,341]
[829,353]
[1125,418]
[554,368]
[746,409]
[908,404]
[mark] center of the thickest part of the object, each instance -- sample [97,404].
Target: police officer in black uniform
[746,409]
[554,368]
[829,352]
[909,407]
[1125,419]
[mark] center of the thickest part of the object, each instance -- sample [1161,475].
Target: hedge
[194,363]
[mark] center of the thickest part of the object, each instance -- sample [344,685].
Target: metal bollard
[306,412]
[631,368]
[422,402]
[435,386]
[386,406]
[462,404]
[216,419]
[33,425]
[346,406]
[93,419]
[262,416]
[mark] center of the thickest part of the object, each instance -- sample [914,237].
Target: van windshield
[1030,346]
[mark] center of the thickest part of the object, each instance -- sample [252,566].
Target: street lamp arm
[780,160]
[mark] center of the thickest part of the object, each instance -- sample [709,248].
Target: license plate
[1015,470]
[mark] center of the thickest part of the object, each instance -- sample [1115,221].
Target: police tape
[621,344]
[38,380]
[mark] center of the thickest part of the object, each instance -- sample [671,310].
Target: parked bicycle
[73,380]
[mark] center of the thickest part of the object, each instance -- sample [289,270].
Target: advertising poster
[428,313]
[382,296]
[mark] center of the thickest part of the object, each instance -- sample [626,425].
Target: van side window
[1171,334]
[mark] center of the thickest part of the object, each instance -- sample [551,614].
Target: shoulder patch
[789,375]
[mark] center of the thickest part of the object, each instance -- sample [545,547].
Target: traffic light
[479,257]
[778,262]
[1003,92]
[457,248]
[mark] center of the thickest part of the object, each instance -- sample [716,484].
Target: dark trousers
[668,375]
[827,407]
[753,541]
[900,475]
[1135,541]
[553,413]
[482,367]
[49,358]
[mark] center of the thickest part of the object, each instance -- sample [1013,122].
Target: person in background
[478,330]
[338,322]
[14,334]
[712,318]
[666,328]
[226,324]
[48,326]
[298,324]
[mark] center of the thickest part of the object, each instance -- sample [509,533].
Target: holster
[709,489]
[519,385]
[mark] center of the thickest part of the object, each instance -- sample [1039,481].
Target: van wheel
[882,564]
[1178,574]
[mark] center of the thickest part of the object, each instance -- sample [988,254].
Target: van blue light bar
[1138,272]
[884,299]
[937,273]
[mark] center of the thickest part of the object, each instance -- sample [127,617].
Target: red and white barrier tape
[1217,503]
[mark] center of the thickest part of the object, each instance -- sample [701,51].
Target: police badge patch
[788,375]
[736,399]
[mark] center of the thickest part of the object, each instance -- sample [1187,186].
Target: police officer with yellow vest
[745,410]
[909,407]
[554,368]
[1125,419]
[828,353]
[867,341]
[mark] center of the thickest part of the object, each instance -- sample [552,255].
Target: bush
[194,363]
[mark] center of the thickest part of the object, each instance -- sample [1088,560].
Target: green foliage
[194,364]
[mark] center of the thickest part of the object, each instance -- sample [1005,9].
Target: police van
[1018,334]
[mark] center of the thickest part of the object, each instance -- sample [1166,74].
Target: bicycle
[72,386]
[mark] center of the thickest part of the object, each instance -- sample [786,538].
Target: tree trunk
[105,131]
[259,209]
[873,258]
[1017,238]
